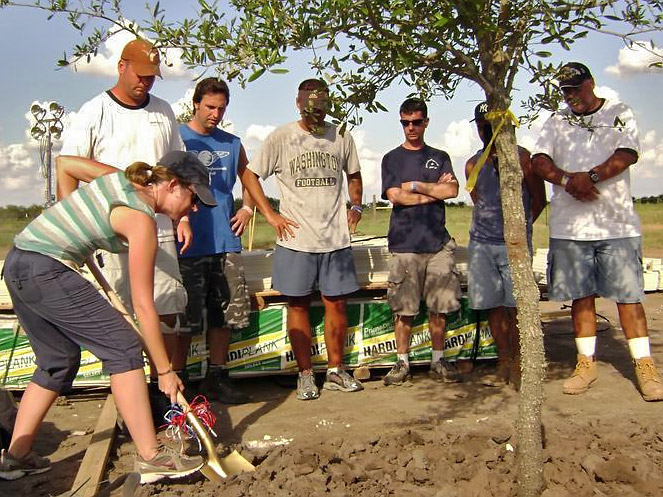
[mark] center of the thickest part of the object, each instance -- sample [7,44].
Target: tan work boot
[648,379]
[501,375]
[584,375]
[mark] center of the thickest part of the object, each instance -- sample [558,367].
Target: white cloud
[258,132]
[108,55]
[636,60]
[22,181]
[647,173]
[607,92]
[370,161]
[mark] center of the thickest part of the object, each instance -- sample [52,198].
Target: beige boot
[584,375]
[648,379]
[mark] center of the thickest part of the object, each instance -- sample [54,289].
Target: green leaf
[256,75]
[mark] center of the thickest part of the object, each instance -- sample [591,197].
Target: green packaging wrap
[264,347]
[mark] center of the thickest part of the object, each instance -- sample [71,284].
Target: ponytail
[143,174]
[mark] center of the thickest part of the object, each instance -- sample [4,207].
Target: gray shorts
[297,274]
[607,268]
[431,276]
[61,312]
[216,284]
[489,282]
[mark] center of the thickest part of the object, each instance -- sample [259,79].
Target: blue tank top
[219,152]
[487,219]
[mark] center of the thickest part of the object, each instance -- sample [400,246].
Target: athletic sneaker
[166,464]
[398,374]
[341,381]
[13,469]
[445,371]
[306,388]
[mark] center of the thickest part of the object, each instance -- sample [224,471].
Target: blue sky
[32,45]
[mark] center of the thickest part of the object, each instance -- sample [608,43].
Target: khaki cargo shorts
[431,276]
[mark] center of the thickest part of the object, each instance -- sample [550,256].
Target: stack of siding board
[653,274]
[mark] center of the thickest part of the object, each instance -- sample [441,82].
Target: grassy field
[458,224]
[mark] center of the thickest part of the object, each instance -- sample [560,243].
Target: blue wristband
[357,208]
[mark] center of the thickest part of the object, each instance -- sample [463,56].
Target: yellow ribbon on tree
[503,116]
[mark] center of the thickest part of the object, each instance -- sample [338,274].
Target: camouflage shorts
[215,283]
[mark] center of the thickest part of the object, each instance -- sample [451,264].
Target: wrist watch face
[593,176]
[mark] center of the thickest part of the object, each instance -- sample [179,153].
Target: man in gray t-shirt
[308,158]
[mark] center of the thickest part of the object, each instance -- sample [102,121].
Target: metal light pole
[48,126]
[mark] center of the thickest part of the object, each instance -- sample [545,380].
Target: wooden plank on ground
[94,462]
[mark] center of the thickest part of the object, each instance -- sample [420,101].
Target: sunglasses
[414,122]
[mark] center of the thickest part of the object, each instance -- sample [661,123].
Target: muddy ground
[421,439]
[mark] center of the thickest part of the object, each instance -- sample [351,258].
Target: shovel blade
[212,473]
[235,464]
[217,469]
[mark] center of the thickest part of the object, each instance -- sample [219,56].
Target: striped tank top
[71,230]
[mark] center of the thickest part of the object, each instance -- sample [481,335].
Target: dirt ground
[421,439]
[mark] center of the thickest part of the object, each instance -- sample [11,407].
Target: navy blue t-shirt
[416,228]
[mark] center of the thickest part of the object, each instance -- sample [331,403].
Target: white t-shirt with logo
[576,148]
[309,174]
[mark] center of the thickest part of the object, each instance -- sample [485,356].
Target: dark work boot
[218,386]
[189,391]
[159,403]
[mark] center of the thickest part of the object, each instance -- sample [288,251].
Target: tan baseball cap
[143,56]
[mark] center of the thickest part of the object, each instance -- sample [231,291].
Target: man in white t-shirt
[118,127]
[309,158]
[586,151]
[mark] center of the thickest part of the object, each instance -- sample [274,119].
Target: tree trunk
[529,444]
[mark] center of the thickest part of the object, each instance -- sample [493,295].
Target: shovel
[216,468]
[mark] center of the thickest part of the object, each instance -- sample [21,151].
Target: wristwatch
[594,176]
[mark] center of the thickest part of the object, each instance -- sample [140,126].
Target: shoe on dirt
[12,468]
[648,379]
[166,464]
[342,382]
[397,375]
[583,376]
[218,386]
[501,375]
[306,388]
[444,371]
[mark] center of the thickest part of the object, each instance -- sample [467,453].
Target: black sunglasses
[414,122]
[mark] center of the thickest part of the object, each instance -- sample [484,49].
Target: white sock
[639,347]
[586,346]
[437,355]
[332,370]
[405,358]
